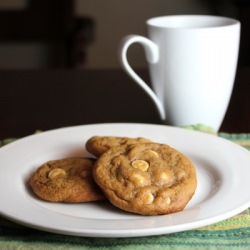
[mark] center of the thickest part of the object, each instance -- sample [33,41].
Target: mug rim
[191,21]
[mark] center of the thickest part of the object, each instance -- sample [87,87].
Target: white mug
[192,64]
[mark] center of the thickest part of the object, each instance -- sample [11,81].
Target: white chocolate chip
[148,198]
[137,179]
[140,164]
[168,200]
[164,176]
[56,172]
[152,153]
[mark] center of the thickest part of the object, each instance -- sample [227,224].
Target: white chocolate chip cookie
[146,178]
[66,180]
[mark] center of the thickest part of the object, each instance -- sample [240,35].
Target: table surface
[44,100]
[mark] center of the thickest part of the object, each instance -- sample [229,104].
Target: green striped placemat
[233,233]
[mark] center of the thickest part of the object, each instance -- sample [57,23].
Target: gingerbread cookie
[146,178]
[66,180]
[97,145]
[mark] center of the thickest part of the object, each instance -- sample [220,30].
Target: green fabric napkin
[233,233]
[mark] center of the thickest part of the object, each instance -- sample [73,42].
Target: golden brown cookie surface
[97,145]
[66,180]
[147,179]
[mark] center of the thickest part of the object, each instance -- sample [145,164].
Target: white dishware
[192,63]
[221,191]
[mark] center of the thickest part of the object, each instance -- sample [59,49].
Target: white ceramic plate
[223,183]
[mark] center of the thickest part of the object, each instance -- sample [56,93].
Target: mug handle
[152,56]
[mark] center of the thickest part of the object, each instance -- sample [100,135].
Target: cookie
[146,178]
[66,180]
[97,145]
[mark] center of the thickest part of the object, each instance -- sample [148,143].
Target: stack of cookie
[134,174]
